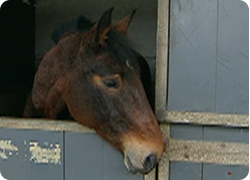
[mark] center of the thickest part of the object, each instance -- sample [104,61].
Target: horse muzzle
[142,156]
[136,164]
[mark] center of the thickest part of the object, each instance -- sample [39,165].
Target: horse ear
[103,26]
[122,26]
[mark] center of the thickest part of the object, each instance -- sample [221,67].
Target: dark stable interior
[17,55]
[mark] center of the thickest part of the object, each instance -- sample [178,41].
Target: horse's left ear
[103,26]
[122,26]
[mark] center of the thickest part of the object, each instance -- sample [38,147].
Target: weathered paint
[49,153]
[7,148]
[19,166]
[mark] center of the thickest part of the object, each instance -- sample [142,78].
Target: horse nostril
[150,162]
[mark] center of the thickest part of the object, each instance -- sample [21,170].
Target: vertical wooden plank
[185,170]
[161,59]
[192,72]
[87,156]
[232,82]
[232,90]
[83,156]
[193,27]
[31,154]
[163,168]
[161,79]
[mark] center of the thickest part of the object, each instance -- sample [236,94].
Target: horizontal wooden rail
[208,152]
[42,124]
[229,120]
[176,150]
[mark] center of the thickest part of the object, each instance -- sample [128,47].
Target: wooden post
[162,59]
[162,78]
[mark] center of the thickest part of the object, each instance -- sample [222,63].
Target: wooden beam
[43,124]
[200,118]
[161,59]
[163,167]
[208,152]
[161,78]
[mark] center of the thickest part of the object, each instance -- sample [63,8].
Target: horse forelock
[120,46]
[116,44]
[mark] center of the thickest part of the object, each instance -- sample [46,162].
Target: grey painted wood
[186,132]
[209,72]
[192,55]
[25,163]
[87,156]
[188,171]
[226,134]
[219,172]
[232,82]
[232,92]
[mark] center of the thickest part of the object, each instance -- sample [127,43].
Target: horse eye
[111,83]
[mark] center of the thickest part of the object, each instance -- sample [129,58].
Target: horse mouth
[129,165]
[143,168]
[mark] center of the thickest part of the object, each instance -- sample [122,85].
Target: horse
[102,82]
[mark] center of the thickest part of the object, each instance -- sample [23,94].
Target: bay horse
[99,78]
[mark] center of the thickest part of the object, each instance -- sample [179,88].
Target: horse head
[102,88]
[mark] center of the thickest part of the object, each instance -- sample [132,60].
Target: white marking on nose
[128,65]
